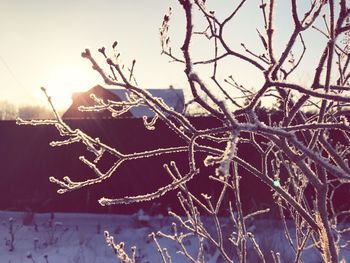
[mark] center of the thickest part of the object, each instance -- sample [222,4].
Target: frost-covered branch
[297,150]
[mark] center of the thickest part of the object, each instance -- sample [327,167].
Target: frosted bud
[52,179]
[86,53]
[205,196]
[103,201]
[211,160]
[344,120]
[102,50]
[109,61]
[67,179]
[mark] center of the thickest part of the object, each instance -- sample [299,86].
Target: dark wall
[27,161]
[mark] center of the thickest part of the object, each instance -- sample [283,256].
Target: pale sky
[41,42]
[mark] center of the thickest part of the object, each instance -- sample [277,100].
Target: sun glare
[63,81]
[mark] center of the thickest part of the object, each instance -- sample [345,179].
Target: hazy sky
[41,42]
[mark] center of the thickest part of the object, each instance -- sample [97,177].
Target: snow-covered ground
[78,238]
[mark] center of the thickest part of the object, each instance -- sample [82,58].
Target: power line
[18,82]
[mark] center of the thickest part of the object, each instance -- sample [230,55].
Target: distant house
[172,97]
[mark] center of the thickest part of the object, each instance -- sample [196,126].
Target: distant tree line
[10,111]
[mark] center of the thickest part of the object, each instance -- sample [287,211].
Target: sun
[62,81]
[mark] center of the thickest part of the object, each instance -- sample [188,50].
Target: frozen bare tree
[296,154]
[8,111]
[34,112]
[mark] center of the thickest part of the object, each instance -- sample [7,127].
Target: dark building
[172,97]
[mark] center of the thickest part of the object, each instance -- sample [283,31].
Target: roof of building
[172,97]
